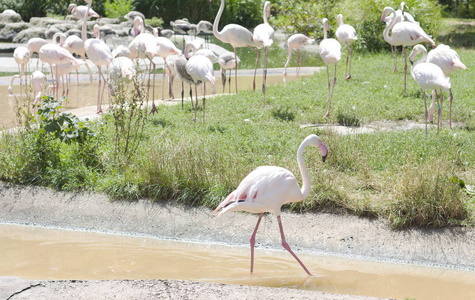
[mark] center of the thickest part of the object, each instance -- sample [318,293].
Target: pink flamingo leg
[235,69]
[204,100]
[405,68]
[253,241]
[196,96]
[287,247]
[255,69]
[394,50]
[330,93]
[350,55]
[425,105]
[450,108]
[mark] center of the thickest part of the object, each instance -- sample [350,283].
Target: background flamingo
[346,34]
[330,52]
[448,60]
[165,48]
[237,36]
[264,34]
[79,12]
[201,71]
[267,188]
[296,41]
[227,61]
[34,45]
[121,71]
[98,53]
[75,45]
[405,34]
[21,55]
[428,76]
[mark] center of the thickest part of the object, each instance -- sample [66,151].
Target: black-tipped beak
[412,63]
[324,158]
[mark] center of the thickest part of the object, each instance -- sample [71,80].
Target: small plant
[348,117]
[154,22]
[117,8]
[283,113]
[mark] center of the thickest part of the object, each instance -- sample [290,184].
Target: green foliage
[117,8]
[65,126]
[154,22]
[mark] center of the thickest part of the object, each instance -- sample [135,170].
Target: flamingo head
[339,19]
[315,141]
[386,11]
[326,26]
[415,51]
[71,7]
[267,6]
[403,6]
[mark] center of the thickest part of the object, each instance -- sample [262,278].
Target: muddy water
[84,94]
[46,253]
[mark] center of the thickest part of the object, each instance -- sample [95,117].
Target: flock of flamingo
[267,188]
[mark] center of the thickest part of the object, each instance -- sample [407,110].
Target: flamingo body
[200,69]
[346,34]
[296,41]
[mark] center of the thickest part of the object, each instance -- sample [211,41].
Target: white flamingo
[165,48]
[62,71]
[267,188]
[98,53]
[121,71]
[34,45]
[75,45]
[427,76]
[200,69]
[21,55]
[264,34]
[296,41]
[400,15]
[144,46]
[179,66]
[79,12]
[38,81]
[404,34]
[227,61]
[448,60]
[236,35]
[54,55]
[330,52]
[190,46]
[346,34]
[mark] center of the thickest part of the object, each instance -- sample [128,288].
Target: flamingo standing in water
[264,34]
[448,60]
[21,55]
[227,61]
[296,41]
[405,34]
[346,34]
[237,36]
[330,52]
[428,76]
[267,188]
[99,53]
[34,45]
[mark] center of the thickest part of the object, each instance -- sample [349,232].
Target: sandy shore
[312,233]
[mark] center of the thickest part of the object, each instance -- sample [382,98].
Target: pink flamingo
[34,45]
[237,36]
[296,41]
[227,61]
[22,57]
[448,60]
[165,48]
[427,76]
[346,34]
[200,69]
[264,34]
[267,188]
[405,34]
[99,53]
[79,12]
[75,45]
[400,16]
[330,52]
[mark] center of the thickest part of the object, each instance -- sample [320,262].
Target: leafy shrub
[117,8]
[154,22]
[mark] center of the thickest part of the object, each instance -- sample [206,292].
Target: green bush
[117,8]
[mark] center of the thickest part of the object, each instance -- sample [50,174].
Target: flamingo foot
[348,77]
[154,109]
[99,112]
[327,114]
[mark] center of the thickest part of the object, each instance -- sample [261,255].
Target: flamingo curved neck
[423,58]
[84,24]
[216,33]
[386,36]
[306,184]
[264,15]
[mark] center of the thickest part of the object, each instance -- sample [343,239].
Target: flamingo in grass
[400,16]
[264,34]
[237,36]
[330,52]
[428,76]
[448,60]
[346,34]
[227,61]
[296,41]
[267,188]
[99,53]
[200,69]
[404,34]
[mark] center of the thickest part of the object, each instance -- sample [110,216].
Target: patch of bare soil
[339,235]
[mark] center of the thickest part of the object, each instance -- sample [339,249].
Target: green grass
[401,176]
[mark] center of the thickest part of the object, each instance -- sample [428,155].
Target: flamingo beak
[323,151]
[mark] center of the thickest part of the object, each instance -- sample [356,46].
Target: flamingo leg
[255,69]
[223,78]
[264,77]
[204,100]
[235,69]
[331,94]
[350,54]
[154,108]
[89,69]
[440,109]
[425,105]
[328,79]
[287,247]
[191,97]
[394,50]
[288,60]
[182,93]
[405,68]
[252,241]
[196,96]
[229,82]
[450,108]
[299,62]
[99,100]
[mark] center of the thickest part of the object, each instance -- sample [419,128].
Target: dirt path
[312,233]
